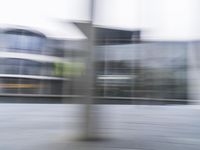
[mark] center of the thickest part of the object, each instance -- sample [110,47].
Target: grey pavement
[125,127]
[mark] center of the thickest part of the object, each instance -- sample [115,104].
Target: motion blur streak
[99,74]
[19,85]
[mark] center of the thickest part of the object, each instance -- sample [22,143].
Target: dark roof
[105,36]
[114,36]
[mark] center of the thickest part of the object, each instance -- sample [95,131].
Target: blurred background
[119,74]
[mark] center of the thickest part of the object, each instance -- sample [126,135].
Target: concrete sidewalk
[53,126]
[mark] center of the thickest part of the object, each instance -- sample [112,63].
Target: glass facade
[156,70]
[26,74]
[150,70]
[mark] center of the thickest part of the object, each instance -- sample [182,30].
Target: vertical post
[90,120]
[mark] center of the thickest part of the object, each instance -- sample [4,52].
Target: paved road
[53,126]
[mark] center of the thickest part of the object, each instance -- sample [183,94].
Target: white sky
[171,19]
[43,15]
[14,10]
[160,19]
[118,13]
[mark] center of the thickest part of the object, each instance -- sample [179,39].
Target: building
[35,64]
